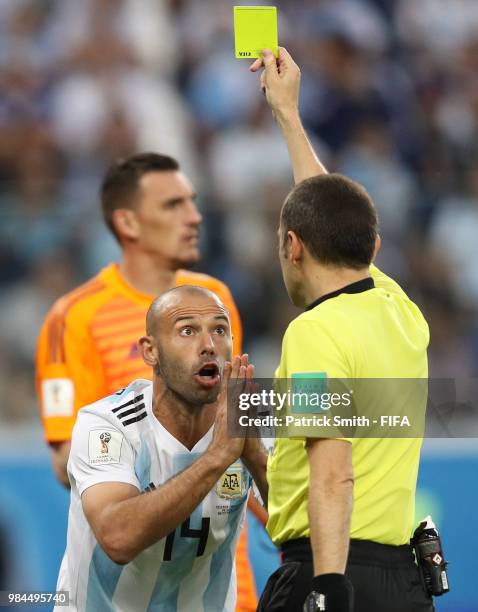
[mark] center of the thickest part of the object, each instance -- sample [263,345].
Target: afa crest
[232,484]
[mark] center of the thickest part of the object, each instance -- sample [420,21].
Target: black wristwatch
[330,593]
[315,602]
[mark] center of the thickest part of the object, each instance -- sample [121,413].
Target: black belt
[361,552]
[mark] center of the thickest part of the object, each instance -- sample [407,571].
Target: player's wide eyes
[220,330]
[186,331]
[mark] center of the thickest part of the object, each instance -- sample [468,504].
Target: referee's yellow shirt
[370,329]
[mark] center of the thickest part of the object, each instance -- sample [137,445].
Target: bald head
[187,344]
[177,303]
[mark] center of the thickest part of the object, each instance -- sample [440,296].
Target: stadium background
[390,96]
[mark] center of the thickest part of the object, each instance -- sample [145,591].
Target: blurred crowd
[389,95]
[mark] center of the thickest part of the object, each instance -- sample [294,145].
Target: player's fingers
[227,372]
[247,381]
[256,65]
[245,360]
[255,387]
[236,364]
[250,378]
[252,388]
[240,380]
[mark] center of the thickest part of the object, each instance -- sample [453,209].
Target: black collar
[358,287]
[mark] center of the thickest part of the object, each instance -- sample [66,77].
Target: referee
[341,510]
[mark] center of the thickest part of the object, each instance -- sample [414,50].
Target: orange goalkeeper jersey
[87,349]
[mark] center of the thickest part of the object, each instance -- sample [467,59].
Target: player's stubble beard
[185,262]
[178,381]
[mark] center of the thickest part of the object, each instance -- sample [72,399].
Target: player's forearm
[305,162]
[133,525]
[330,510]
[60,452]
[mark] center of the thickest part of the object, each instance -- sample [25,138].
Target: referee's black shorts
[385,579]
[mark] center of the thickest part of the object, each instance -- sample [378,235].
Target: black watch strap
[330,593]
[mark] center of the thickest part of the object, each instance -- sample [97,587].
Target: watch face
[315,602]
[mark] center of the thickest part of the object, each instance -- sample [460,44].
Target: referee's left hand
[330,593]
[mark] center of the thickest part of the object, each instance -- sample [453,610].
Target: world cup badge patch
[232,484]
[104,446]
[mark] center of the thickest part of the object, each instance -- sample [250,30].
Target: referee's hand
[280,82]
[330,593]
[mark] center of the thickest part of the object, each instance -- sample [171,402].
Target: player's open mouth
[208,376]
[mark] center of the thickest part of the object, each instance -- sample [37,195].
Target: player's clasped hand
[280,81]
[238,378]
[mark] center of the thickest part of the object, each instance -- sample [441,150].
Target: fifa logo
[105,437]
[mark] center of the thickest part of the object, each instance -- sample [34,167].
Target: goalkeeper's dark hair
[335,218]
[119,188]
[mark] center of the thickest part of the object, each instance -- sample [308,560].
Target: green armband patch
[307,391]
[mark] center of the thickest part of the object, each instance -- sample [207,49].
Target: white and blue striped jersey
[118,439]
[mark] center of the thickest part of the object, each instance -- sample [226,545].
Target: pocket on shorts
[420,599]
[278,588]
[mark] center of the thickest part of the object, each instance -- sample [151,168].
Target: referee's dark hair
[335,218]
[120,184]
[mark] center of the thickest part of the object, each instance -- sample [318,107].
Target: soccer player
[342,510]
[87,347]
[158,495]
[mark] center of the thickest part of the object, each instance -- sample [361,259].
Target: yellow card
[255,28]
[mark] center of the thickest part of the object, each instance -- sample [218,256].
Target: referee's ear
[378,244]
[295,247]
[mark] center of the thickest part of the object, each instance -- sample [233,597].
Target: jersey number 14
[187,532]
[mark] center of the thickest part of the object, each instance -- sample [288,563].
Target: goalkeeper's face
[166,219]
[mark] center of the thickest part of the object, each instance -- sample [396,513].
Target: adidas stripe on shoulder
[132,411]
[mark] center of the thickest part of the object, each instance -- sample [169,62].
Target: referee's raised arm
[280,83]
